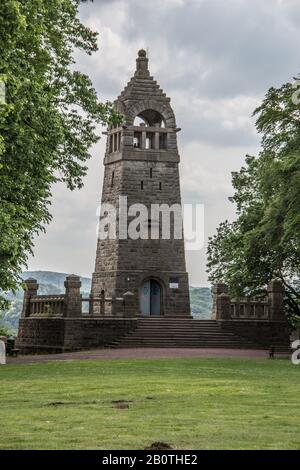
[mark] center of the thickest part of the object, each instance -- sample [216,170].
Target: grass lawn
[187,403]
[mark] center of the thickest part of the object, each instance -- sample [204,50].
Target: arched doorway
[150,298]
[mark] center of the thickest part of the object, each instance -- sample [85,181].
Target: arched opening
[150,118]
[151,298]
[139,121]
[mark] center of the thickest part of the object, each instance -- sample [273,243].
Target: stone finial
[275,286]
[31,284]
[142,64]
[72,281]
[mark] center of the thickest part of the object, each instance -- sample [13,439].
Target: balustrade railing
[72,304]
[50,305]
[249,308]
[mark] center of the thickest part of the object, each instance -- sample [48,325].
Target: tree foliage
[264,241]
[47,121]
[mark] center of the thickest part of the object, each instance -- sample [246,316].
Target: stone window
[151,172]
[112,178]
[142,184]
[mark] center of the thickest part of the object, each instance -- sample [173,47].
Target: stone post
[223,307]
[217,289]
[143,140]
[129,304]
[30,290]
[72,307]
[275,294]
[156,137]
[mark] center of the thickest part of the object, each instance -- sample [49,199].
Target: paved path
[138,353]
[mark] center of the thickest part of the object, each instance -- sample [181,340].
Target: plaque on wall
[174,283]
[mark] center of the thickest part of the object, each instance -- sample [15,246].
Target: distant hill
[201,302]
[49,278]
[53,283]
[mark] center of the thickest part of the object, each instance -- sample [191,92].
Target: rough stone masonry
[141,163]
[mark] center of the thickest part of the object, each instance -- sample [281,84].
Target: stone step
[182,332]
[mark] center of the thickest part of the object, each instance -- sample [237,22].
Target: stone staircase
[160,332]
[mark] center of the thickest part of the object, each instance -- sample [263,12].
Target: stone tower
[141,163]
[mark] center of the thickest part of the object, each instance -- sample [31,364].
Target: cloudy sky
[215,59]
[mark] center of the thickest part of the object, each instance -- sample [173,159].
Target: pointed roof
[142,92]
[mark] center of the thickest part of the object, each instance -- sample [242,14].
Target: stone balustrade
[47,305]
[247,308]
[70,304]
[250,308]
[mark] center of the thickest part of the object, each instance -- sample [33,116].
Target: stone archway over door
[150,298]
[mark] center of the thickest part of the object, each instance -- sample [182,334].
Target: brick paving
[139,353]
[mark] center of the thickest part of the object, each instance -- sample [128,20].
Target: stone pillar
[91,305]
[156,140]
[143,140]
[129,305]
[30,290]
[223,307]
[275,294]
[72,307]
[217,289]
[167,141]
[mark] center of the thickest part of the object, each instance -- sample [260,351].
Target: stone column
[217,289]
[143,140]
[223,307]
[167,141]
[275,294]
[30,290]
[72,307]
[156,140]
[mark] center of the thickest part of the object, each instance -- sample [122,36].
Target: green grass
[188,403]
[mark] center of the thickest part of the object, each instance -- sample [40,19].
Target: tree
[48,119]
[264,241]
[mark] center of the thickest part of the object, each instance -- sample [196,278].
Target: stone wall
[264,333]
[50,335]
[261,321]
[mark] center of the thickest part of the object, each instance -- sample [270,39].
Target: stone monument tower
[141,164]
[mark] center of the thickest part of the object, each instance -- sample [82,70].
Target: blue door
[155,298]
[145,298]
[150,298]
